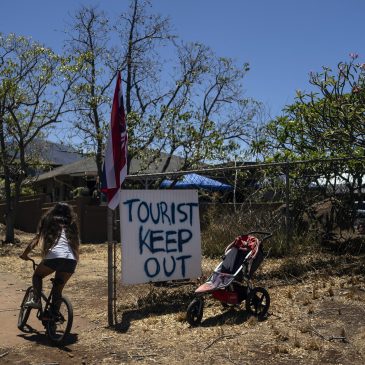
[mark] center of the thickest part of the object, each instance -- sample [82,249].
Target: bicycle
[56,317]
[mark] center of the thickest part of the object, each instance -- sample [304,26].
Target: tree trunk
[9,223]
[9,207]
[10,210]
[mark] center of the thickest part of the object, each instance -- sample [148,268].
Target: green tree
[33,96]
[328,122]
[88,40]
[199,112]
[321,125]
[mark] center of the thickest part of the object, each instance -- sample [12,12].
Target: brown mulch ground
[317,316]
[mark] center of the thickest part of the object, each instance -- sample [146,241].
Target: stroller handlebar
[266,234]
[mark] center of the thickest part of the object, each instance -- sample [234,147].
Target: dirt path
[11,293]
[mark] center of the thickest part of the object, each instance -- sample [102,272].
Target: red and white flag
[115,160]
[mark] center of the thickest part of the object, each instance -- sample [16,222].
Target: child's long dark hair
[50,228]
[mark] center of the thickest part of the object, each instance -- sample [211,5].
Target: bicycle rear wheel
[25,311]
[60,322]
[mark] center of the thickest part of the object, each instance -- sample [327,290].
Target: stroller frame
[231,289]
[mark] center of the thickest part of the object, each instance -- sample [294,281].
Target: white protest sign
[160,235]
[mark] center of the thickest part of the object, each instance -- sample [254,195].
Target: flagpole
[114,172]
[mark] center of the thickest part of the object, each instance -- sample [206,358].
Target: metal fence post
[235,186]
[110,266]
[287,203]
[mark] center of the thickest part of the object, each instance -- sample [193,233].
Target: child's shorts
[62,265]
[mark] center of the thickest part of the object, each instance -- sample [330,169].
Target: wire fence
[320,200]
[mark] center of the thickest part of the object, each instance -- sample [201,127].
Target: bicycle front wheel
[60,322]
[24,311]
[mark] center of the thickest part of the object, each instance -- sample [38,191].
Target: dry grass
[309,304]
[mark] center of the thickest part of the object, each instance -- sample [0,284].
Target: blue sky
[283,40]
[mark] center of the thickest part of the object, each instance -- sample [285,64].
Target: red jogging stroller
[231,282]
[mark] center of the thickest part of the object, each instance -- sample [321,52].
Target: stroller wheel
[258,302]
[194,313]
[227,305]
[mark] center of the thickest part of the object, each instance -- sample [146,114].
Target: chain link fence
[299,202]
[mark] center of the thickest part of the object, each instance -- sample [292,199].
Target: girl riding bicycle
[58,236]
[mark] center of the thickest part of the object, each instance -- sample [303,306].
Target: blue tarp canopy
[196,181]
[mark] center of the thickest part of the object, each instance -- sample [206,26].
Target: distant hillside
[55,154]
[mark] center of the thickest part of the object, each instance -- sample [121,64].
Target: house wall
[60,188]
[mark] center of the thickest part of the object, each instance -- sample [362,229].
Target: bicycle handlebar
[33,262]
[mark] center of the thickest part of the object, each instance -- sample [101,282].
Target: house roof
[87,166]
